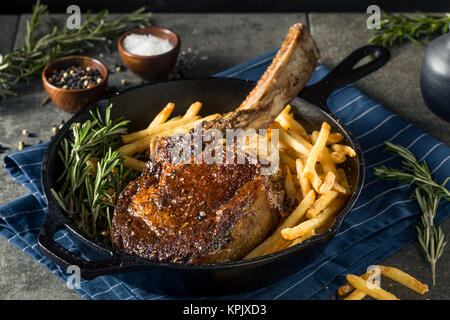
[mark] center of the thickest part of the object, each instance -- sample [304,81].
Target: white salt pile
[146,44]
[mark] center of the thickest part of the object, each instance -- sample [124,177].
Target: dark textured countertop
[212,43]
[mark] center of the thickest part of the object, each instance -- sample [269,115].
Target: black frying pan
[140,105]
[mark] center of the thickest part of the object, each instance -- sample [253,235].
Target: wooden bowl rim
[73,58]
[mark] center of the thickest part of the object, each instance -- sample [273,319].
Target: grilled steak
[196,213]
[206,213]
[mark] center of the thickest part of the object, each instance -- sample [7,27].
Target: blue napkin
[382,221]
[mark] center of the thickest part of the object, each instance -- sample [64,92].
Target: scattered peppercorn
[73,78]
[116,68]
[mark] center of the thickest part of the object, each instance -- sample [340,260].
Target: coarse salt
[146,44]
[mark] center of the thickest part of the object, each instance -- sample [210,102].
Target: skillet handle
[89,269]
[345,73]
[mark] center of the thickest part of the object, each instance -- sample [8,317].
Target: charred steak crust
[196,213]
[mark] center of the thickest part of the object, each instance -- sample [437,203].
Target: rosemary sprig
[396,28]
[93,174]
[38,50]
[428,194]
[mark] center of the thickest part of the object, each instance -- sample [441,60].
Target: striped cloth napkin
[382,221]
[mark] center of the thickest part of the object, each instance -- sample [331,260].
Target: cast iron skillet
[140,105]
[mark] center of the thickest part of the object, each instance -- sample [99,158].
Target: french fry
[342,177]
[338,157]
[153,142]
[370,277]
[334,138]
[184,128]
[316,182]
[289,186]
[292,142]
[309,170]
[338,188]
[315,223]
[290,221]
[145,135]
[287,120]
[163,115]
[344,149]
[347,288]
[175,118]
[328,183]
[193,110]
[286,160]
[321,203]
[286,109]
[132,163]
[304,183]
[326,162]
[327,165]
[390,272]
[300,211]
[297,215]
[284,147]
[404,279]
[370,288]
[356,295]
[305,227]
[158,120]
[302,238]
[135,146]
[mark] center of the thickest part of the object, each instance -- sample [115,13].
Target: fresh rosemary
[428,194]
[93,174]
[38,50]
[396,28]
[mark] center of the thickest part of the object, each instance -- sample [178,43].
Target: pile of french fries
[312,176]
[358,287]
[309,163]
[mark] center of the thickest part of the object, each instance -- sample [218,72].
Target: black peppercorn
[73,78]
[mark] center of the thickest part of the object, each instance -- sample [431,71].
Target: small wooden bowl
[74,100]
[151,67]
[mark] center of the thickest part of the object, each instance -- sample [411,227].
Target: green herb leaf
[395,28]
[93,173]
[428,194]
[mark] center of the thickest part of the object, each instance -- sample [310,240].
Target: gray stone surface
[8,25]
[212,43]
